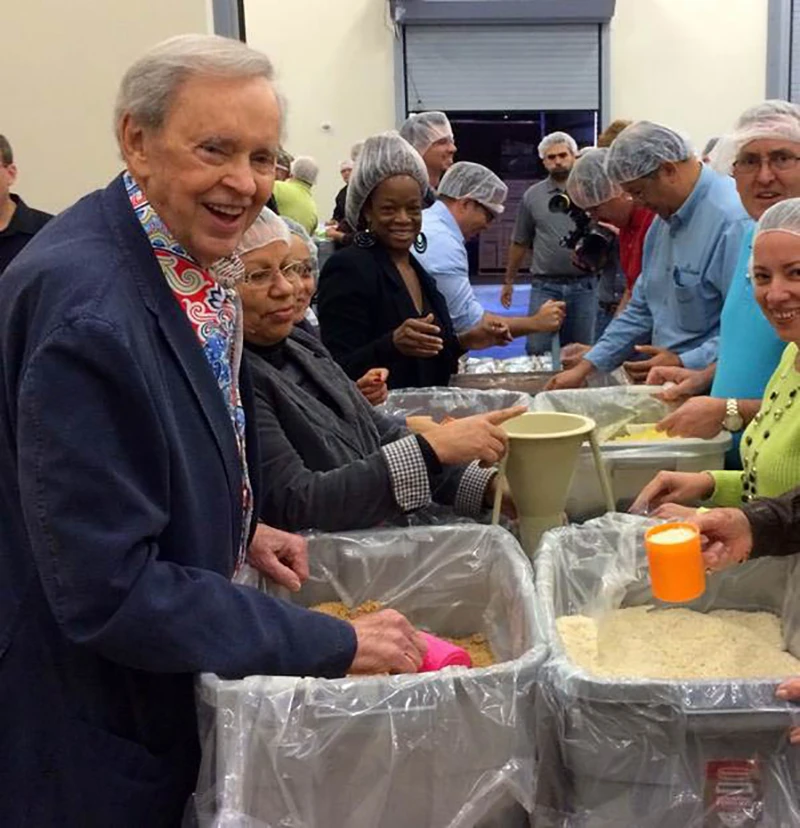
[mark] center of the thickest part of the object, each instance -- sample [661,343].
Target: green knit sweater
[770,446]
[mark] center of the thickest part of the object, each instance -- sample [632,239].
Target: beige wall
[691,63]
[335,65]
[60,65]
[694,64]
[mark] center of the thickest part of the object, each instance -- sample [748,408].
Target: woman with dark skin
[377,305]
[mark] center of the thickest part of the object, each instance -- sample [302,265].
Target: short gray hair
[150,84]
[553,140]
[306,169]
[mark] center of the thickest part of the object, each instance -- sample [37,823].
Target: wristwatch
[733,419]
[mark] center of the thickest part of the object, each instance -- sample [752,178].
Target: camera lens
[559,203]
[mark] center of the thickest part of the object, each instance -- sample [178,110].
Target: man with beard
[554,275]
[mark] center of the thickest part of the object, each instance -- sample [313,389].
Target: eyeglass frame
[770,159]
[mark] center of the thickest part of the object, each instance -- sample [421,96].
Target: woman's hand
[727,537]
[573,353]
[672,511]
[479,437]
[418,338]
[673,487]
[373,385]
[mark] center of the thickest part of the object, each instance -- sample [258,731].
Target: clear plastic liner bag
[451,748]
[644,753]
[439,403]
[630,465]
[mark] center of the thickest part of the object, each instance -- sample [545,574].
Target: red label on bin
[733,794]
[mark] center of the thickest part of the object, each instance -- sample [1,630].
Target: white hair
[555,138]
[150,84]
[306,169]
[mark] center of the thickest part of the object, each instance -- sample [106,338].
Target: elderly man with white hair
[129,462]
[471,196]
[689,257]
[555,278]
[294,197]
[431,136]
[762,154]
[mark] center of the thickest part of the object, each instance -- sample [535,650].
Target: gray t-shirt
[537,226]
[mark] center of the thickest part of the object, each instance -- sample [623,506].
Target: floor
[489,297]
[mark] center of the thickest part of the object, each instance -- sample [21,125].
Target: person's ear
[12,173]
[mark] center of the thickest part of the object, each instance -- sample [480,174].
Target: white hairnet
[589,184]
[355,151]
[468,180]
[557,138]
[304,168]
[785,216]
[383,156]
[424,130]
[771,120]
[297,229]
[266,229]
[781,217]
[347,164]
[642,148]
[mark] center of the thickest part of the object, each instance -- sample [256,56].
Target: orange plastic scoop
[677,573]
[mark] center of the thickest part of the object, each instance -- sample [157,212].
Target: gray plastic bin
[630,466]
[451,748]
[639,753]
[450,402]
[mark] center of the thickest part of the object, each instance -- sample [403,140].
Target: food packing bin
[449,402]
[639,753]
[451,748]
[630,465]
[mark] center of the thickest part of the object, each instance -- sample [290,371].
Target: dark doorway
[507,142]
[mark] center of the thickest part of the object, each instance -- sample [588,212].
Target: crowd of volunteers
[183,389]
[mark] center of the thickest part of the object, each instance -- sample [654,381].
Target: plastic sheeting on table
[630,465]
[449,402]
[451,748]
[644,753]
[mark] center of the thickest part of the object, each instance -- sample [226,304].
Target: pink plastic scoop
[441,653]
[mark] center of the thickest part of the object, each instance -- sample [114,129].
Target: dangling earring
[364,239]
[421,243]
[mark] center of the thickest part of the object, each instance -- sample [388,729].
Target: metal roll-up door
[502,67]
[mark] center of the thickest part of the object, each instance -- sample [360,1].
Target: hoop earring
[421,243]
[364,239]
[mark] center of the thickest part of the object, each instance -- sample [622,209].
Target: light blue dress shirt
[447,262]
[688,263]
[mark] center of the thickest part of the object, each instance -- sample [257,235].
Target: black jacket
[320,442]
[362,299]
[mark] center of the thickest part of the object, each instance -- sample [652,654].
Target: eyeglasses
[300,269]
[777,161]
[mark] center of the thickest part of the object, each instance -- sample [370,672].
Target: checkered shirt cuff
[471,494]
[408,473]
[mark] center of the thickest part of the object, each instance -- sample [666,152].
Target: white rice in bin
[678,644]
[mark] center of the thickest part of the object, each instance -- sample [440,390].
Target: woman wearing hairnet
[303,264]
[330,461]
[770,448]
[377,305]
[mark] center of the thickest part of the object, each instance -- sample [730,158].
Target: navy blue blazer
[121,517]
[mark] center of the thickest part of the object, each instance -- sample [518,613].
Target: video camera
[592,244]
